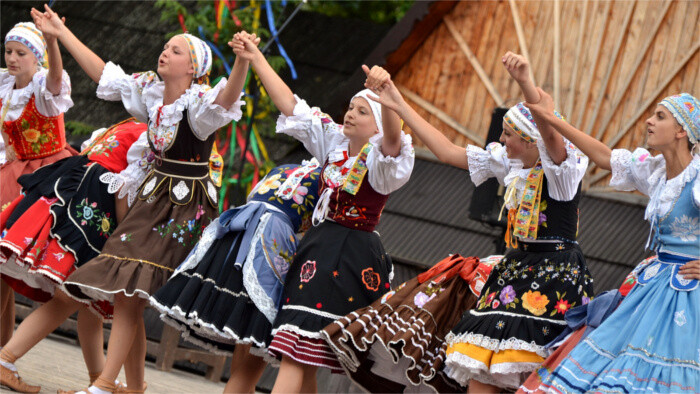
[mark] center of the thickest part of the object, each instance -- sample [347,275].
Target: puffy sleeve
[207,117]
[563,178]
[116,85]
[633,170]
[47,103]
[316,130]
[491,162]
[388,173]
[139,162]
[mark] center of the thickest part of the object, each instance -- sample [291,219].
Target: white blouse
[641,171]
[325,140]
[47,103]
[562,179]
[142,96]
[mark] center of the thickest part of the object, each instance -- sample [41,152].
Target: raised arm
[445,150]
[55,77]
[279,92]
[234,86]
[377,77]
[519,70]
[594,149]
[51,24]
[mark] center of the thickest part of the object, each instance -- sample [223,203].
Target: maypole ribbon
[273,31]
[216,50]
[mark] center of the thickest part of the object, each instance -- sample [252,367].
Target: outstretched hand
[690,270]
[245,45]
[543,108]
[517,66]
[48,22]
[376,77]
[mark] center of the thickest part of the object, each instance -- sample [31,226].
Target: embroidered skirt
[399,340]
[520,310]
[218,301]
[335,271]
[10,171]
[658,352]
[154,237]
[62,220]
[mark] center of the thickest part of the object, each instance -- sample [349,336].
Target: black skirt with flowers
[520,310]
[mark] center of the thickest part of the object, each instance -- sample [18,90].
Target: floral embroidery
[40,140]
[545,330]
[388,295]
[91,215]
[428,294]
[186,233]
[561,306]
[371,279]
[59,256]
[282,260]
[105,147]
[686,228]
[508,298]
[486,300]
[308,270]
[679,318]
[125,237]
[268,184]
[535,302]
[500,324]
[542,219]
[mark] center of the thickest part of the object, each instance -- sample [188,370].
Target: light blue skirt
[650,344]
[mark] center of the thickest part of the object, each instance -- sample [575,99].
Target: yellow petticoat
[490,358]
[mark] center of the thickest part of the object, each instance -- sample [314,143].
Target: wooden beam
[643,108]
[557,53]
[595,178]
[597,44]
[640,56]
[424,104]
[579,52]
[602,90]
[521,37]
[474,61]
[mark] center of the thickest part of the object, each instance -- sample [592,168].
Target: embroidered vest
[110,149]
[33,135]
[679,230]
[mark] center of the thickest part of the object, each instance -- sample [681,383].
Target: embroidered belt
[181,178]
[674,263]
[539,247]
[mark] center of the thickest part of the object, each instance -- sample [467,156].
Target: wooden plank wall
[617,59]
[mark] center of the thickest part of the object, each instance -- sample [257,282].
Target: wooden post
[640,56]
[424,104]
[521,36]
[557,53]
[611,64]
[574,74]
[474,62]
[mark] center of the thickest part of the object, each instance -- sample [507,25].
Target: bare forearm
[553,141]
[391,142]
[596,151]
[529,91]
[234,86]
[92,64]
[55,76]
[279,92]
[446,151]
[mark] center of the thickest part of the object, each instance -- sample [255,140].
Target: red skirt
[10,171]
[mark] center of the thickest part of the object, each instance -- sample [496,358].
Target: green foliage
[383,12]
[74,127]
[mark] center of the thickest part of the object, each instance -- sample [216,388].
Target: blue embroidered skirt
[651,343]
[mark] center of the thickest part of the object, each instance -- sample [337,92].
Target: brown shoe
[11,380]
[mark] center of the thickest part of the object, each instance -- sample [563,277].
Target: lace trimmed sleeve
[387,173]
[634,170]
[563,178]
[207,117]
[139,159]
[116,85]
[316,130]
[491,162]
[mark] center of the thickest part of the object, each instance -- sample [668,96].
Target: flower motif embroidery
[562,306]
[270,183]
[59,256]
[500,324]
[388,295]
[679,318]
[535,302]
[371,279]
[686,228]
[308,270]
[87,213]
[421,299]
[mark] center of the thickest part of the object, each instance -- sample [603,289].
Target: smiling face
[175,61]
[19,59]
[663,129]
[516,146]
[358,122]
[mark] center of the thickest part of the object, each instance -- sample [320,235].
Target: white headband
[374,106]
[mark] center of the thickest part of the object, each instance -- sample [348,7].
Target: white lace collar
[20,97]
[172,113]
[665,192]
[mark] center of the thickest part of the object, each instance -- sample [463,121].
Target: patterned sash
[524,220]
[357,173]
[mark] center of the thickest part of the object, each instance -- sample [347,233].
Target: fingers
[376,77]
[690,270]
[365,69]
